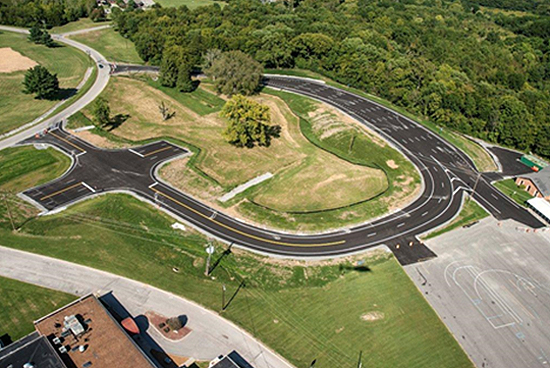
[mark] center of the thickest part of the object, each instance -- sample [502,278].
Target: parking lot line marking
[157,151]
[60,191]
[242,232]
[68,142]
[135,152]
[89,187]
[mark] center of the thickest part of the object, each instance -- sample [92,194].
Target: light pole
[209,250]
[475,186]
[223,297]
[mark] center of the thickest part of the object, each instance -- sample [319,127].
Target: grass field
[328,311]
[470,213]
[191,4]
[512,190]
[22,304]
[82,23]
[17,108]
[481,158]
[314,187]
[110,44]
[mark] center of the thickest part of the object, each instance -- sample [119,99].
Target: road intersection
[447,174]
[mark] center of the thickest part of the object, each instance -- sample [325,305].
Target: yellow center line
[60,191]
[68,142]
[241,232]
[157,151]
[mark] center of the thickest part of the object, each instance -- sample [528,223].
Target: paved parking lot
[491,286]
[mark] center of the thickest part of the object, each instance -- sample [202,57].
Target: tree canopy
[248,123]
[234,72]
[41,82]
[481,72]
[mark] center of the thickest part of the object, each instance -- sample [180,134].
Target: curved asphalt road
[94,91]
[446,172]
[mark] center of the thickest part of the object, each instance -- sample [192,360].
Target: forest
[483,73]
[48,13]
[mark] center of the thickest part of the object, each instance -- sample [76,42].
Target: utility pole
[475,186]
[223,297]
[209,250]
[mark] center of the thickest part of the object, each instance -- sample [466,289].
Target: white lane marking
[425,213]
[442,185]
[136,152]
[80,154]
[494,196]
[70,181]
[89,187]
[371,234]
[152,185]
[401,224]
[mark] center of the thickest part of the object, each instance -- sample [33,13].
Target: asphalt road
[98,86]
[446,172]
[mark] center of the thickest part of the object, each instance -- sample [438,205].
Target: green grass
[200,101]
[191,4]
[22,304]
[17,108]
[111,44]
[481,158]
[512,190]
[471,212]
[304,313]
[83,23]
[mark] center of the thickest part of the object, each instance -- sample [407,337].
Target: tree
[169,65]
[97,15]
[234,72]
[101,111]
[248,123]
[47,40]
[35,34]
[175,323]
[184,83]
[165,111]
[40,81]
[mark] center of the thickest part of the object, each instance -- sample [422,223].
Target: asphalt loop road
[447,174]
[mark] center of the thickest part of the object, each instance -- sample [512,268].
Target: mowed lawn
[313,188]
[17,108]
[83,23]
[191,4]
[327,311]
[21,304]
[512,190]
[110,44]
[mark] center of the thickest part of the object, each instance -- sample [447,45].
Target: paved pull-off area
[211,335]
[490,285]
[447,174]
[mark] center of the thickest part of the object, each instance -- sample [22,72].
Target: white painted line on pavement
[80,154]
[89,187]
[152,185]
[135,152]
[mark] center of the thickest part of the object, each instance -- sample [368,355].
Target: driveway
[211,334]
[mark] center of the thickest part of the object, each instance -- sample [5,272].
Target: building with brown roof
[86,335]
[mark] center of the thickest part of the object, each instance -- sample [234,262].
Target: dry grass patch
[12,61]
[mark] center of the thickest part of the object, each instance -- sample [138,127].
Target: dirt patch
[12,61]
[372,316]
[97,140]
[391,164]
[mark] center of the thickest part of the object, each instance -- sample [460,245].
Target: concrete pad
[490,285]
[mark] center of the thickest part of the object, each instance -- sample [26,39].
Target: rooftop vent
[72,323]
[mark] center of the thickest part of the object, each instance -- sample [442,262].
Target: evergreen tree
[101,111]
[36,34]
[40,81]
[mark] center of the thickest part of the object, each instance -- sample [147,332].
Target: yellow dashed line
[243,233]
[68,142]
[60,191]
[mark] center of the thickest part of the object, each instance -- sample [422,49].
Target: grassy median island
[110,44]
[17,108]
[327,311]
[23,303]
[470,213]
[328,171]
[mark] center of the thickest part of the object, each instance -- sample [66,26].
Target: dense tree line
[463,68]
[49,13]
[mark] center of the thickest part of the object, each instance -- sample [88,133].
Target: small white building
[541,207]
